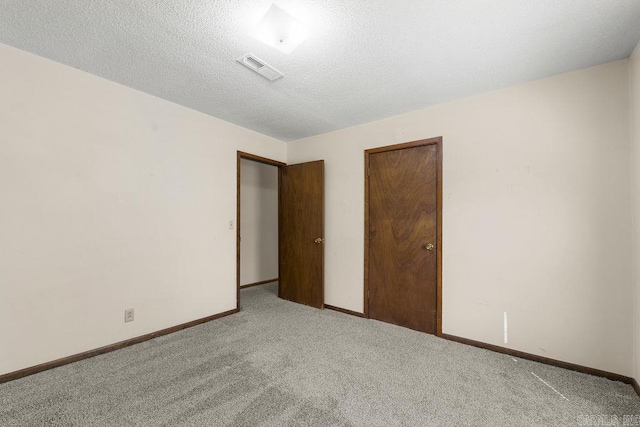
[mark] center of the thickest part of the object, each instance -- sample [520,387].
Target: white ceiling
[365,59]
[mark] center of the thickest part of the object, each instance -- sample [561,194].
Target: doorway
[240,274]
[403,235]
[259,217]
[300,230]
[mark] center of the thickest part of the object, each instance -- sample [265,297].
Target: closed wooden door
[403,218]
[301,237]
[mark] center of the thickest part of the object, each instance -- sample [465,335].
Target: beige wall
[259,222]
[635,127]
[536,213]
[111,199]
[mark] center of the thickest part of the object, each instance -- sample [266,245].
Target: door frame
[437,141]
[248,156]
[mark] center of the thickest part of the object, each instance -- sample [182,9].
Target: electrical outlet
[230,224]
[128,315]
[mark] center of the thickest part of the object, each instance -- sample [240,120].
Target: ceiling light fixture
[280,30]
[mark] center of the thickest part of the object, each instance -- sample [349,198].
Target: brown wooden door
[301,240]
[402,224]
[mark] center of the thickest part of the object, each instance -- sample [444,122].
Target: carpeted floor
[281,364]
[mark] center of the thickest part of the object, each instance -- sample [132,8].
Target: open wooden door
[301,236]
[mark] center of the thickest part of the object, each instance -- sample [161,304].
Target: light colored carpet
[281,364]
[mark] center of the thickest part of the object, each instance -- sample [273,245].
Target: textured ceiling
[364,60]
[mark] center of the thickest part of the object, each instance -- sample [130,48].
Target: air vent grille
[259,66]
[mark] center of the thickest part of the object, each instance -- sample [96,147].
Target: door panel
[402,224]
[301,214]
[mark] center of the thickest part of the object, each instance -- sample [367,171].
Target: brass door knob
[429,247]
[319,240]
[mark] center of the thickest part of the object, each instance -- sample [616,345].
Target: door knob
[319,240]
[428,247]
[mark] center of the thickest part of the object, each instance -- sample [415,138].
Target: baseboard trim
[109,348]
[343,310]
[545,360]
[636,386]
[264,282]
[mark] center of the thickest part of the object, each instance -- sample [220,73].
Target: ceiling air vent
[259,66]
